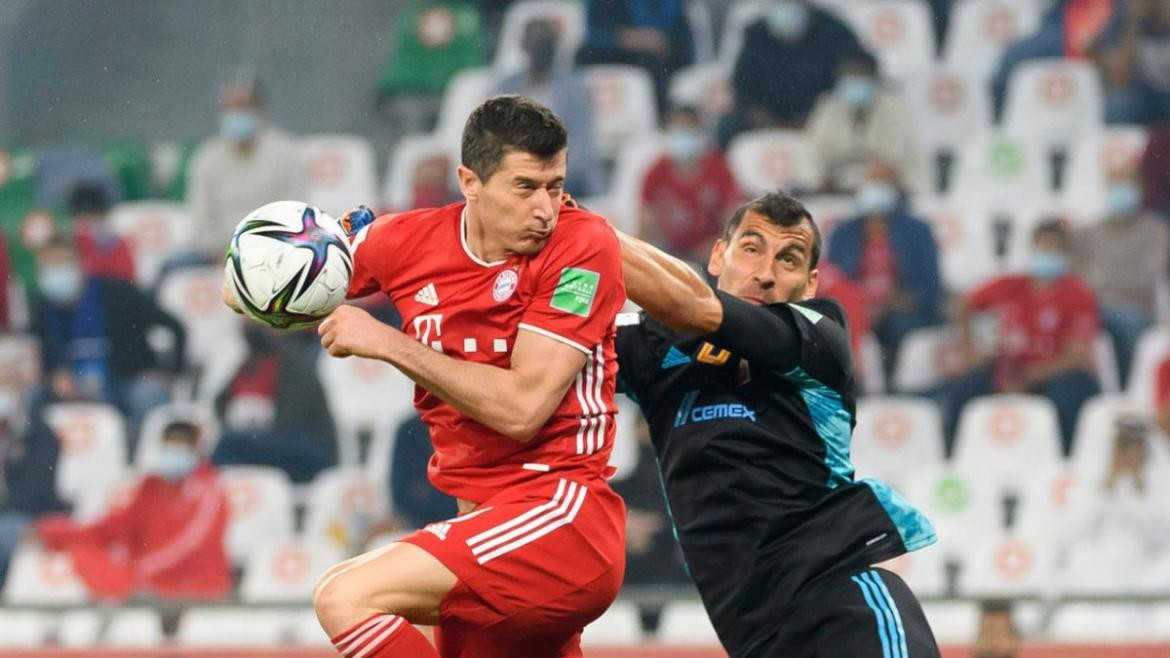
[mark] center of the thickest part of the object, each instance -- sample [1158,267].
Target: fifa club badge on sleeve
[356,219]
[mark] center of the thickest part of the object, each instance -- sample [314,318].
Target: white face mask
[61,283]
[684,144]
[875,199]
[788,19]
[175,462]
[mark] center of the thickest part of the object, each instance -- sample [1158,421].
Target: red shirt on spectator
[879,271]
[105,256]
[1162,385]
[833,283]
[689,210]
[1036,323]
[167,541]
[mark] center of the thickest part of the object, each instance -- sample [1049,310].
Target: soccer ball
[288,265]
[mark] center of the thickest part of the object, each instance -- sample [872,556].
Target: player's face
[519,204]
[763,263]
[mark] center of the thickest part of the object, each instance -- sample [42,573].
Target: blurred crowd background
[991,178]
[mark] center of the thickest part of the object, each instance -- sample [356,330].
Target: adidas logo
[674,358]
[427,295]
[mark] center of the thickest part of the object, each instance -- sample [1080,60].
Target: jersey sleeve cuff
[557,337]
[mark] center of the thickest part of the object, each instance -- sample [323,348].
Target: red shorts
[535,565]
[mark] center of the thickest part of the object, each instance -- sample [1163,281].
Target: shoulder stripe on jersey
[594,415]
[557,337]
[598,381]
[583,383]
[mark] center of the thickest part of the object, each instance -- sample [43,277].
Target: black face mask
[542,50]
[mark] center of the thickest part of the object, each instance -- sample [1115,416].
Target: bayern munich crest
[505,285]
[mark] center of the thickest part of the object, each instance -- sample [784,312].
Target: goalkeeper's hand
[356,219]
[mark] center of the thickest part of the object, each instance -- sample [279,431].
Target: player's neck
[479,240]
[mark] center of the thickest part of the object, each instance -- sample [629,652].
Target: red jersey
[1037,323]
[472,310]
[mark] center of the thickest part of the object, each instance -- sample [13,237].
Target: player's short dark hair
[781,209]
[1054,227]
[88,198]
[182,429]
[509,123]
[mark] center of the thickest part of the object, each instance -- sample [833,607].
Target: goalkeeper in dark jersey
[748,390]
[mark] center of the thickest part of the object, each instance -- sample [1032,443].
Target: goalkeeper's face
[520,202]
[765,263]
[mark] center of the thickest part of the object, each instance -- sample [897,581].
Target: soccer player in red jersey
[508,302]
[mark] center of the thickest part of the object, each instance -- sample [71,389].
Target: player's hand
[229,298]
[351,331]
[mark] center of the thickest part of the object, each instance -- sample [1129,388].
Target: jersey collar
[466,249]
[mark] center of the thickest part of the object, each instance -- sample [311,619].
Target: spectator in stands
[7,275]
[273,409]
[167,542]
[891,256]
[1133,56]
[789,58]
[28,461]
[250,163]
[1048,321]
[431,187]
[998,637]
[832,283]
[93,335]
[1155,174]
[1124,258]
[689,192]
[652,34]
[103,253]
[433,40]
[567,95]
[1162,397]
[858,120]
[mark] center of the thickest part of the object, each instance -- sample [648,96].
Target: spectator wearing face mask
[891,256]
[166,542]
[1123,258]
[566,94]
[250,163]
[789,58]
[103,253]
[689,192]
[858,120]
[1047,322]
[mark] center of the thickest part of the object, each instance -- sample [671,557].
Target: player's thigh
[399,578]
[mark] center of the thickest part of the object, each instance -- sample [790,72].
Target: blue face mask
[175,462]
[1122,198]
[788,19]
[856,91]
[875,199]
[238,125]
[60,284]
[685,145]
[1047,265]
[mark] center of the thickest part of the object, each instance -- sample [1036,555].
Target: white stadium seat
[950,110]
[966,242]
[953,622]
[341,171]
[869,366]
[1003,565]
[624,107]
[1092,448]
[1152,348]
[94,504]
[93,447]
[307,631]
[342,503]
[922,353]
[364,395]
[620,625]
[1007,437]
[829,211]
[261,508]
[233,627]
[1000,172]
[1105,363]
[154,231]
[1055,101]
[286,572]
[625,195]
[1121,623]
[79,628]
[36,577]
[898,32]
[398,189]
[702,29]
[24,629]
[766,160]
[1090,162]
[923,570]
[20,360]
[686,623]
[567,15]
[463,93]
[202,415]
[706,87]
[980,30]
[895,436]
[134,627]
[737,19]
[957,503]
[214,338]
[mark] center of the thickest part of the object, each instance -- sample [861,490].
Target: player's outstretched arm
[514,401]
[667,288]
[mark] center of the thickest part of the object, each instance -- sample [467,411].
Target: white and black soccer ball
[288,264]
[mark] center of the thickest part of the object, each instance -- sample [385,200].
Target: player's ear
[715,262]
[469,183]
[810,288]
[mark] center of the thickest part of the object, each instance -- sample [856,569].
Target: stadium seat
[214,339]
[829,211]
[899,33]
[703,86]
[1006,565]
[20,359]
[398,188]
[980,30]
[348,383]
[624,107]
[1152,348]
[869,366]
[624,456]
[286,571]
[154,230]
[953,622]
[950,110]
[156,420]
[955,502]
[1105,363]
[307,631]
[24,629]
[966,239]
[625,195]
[620,625]
[1055,101]
[702,29]
[466,90]
[36,577]
[1092,448]
[1003,174]
[97,502]
[764,160]
[341,171]
[568,15]
[686,623]
[895,436]
[134,627]
[737,19]
[1007,437]
[1121,623]
[921,354]
[233,627]
[923,570]
[93,447]
[342,503]
[79,628]
[261,508]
